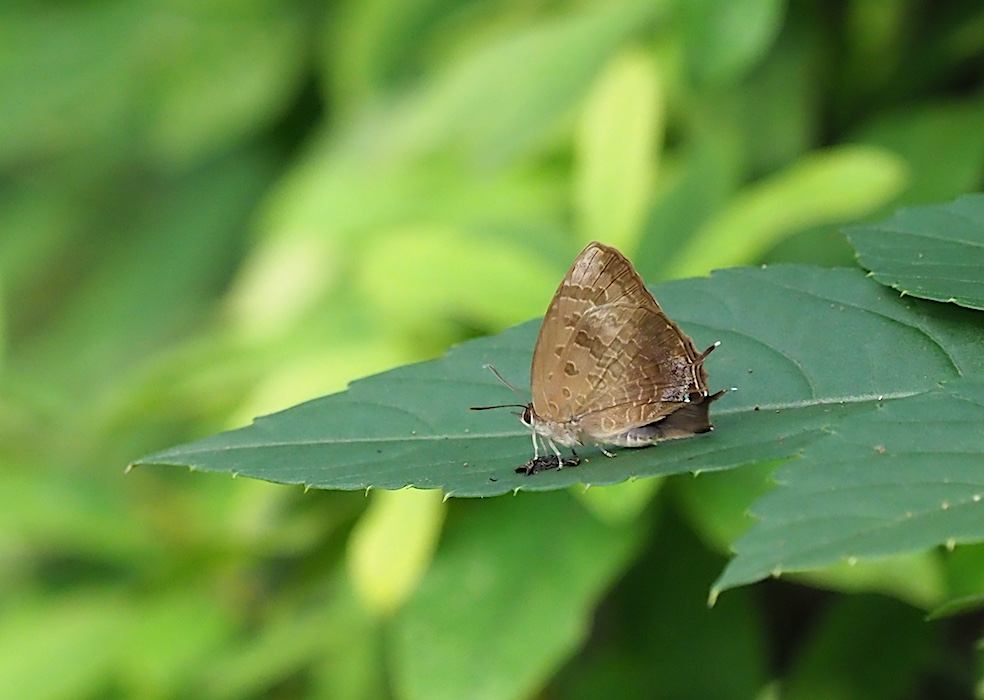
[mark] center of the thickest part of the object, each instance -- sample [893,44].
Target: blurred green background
[211,210]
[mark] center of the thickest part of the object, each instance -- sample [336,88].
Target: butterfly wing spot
[570,369]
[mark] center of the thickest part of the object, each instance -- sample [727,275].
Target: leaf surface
[805,347]
[904,477]
[934,252]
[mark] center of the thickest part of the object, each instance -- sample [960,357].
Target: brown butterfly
[610,368]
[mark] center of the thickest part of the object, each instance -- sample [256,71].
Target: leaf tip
[712,597]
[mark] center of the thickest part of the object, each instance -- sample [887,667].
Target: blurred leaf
[874,32]
[505,601]
[619,503]
[707,172]
[505,99]
[214,73]
[43,512]
[327,211]
[776,110]
[168,633]
[901,478]
[61,647]
[934,252]
[617,148]
[724,39]
[412,426]
[333,638]
[181,80]
[129,299]
[942,143]
[850,628]
[441,275]
[67,71]
[656,637]
[374,45]
[392,544]
[40,223]
[716,503]
[964,568]
[822,187]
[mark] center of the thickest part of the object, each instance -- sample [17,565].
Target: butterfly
[610,368]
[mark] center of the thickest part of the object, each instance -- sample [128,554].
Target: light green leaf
[617,143]
[441,274]
[619,503]
[505,602]
[62,647]
[391,546]
[934,252]
[821,188]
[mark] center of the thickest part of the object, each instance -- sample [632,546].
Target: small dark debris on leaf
[539,464]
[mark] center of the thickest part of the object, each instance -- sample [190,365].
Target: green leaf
[331,637]
[822,187]
[508,97]
[934,252]
[942,142]
[659,637]
[781,329]
[900,478]
[826,666]
[223,73]
[63,646]
[505,602]
[617,142]
[391,546]
[725,39]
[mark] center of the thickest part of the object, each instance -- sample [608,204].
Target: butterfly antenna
[505,405]
[502,379]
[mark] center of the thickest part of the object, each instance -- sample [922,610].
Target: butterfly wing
[607,356]
[558,376]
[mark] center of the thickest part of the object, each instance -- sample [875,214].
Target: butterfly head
[527,415]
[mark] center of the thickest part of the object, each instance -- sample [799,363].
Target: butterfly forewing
[595,278]
[606,355]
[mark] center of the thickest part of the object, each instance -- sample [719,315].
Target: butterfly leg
[606,452]
[554,461]
[553,447]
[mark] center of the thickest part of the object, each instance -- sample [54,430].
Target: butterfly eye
[527,417]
